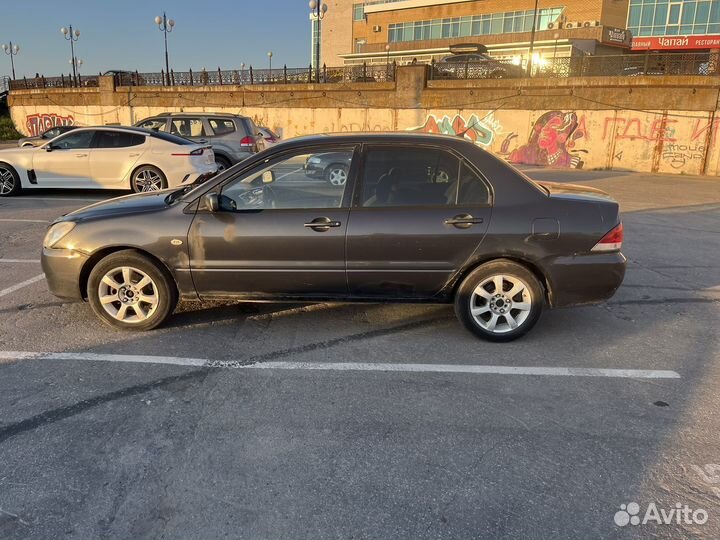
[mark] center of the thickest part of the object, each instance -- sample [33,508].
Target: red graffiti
[38,124]
[635,128]
[552,142]
[703,127]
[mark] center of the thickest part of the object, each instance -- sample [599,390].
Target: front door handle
[80,155]
[134,155]
[322,224]
[463,221]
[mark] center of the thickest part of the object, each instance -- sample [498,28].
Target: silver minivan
[233,137]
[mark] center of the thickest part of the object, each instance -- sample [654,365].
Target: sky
[123,34]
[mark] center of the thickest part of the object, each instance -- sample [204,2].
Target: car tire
[222,163]
[492,314]
[336,174]
[120,276]
[9,180]
[147,178]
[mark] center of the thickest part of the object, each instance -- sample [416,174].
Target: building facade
[674,25]
[379,31]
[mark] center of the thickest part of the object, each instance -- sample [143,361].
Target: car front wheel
[129,291]
[499,301]
[9,180]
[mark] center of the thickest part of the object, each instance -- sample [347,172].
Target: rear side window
[222,126]
[472,189]
[187,127]
[410,176]
[251,128]
[117,139]
[167,137]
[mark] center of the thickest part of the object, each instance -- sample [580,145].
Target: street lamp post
[270,61]
[72,37]
[12,50]
[242,73]
[76,65]
[387,60]
[532,39]
[165,25]
[319,10]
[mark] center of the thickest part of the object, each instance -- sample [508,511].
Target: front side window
[73,140]
[410,176]
[299,181]
[51,133]
[154,124]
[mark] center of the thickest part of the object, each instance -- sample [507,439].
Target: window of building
[477,25]
[663,17]
[358,12]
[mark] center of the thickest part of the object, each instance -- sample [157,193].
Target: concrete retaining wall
[651,124]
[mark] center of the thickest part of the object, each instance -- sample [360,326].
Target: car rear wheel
[337,174]
[222,163]
[499,301]
[9,180]
[147,178]
[127,290]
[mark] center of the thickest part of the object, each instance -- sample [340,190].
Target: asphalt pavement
[371,421]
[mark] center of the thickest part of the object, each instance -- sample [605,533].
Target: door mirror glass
[268,177]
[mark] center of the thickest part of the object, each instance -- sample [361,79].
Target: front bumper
[585,279]
[314,170]
[62,269]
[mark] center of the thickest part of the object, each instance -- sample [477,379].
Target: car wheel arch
[100,254]
[533,267]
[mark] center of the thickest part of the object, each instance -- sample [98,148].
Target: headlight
[57,232]
[314,160]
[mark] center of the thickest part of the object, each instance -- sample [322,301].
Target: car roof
[377,137]
[130,129]
[201,114]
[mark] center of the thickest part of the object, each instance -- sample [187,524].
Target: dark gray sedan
[421,218]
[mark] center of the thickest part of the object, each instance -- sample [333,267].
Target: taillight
[196,152]
[612,241]
[247,141]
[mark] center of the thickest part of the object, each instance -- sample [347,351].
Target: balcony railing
[651,64]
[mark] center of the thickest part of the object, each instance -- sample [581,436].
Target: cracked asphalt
[101,448]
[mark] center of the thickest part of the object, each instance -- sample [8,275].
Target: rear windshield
[175,139]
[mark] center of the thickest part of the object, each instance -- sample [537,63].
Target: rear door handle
[322,224]
[463,221]
[80,155]
[134,155]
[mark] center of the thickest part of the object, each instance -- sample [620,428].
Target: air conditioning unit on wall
[377,28]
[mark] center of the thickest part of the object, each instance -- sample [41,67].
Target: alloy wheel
[501,303]
[147,180]
[128,295]
[337,176]
[7,181]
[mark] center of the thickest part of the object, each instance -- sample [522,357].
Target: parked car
[269,136]
[488,239]
[332,166]
[476,66]
[234,138]
[44,137]
[125,78]
[106,158]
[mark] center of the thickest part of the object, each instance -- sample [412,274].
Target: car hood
[138,203]
[575,191]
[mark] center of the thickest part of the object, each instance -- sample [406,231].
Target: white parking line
[55,199]
[25,283]
[19,260]
[353,366]
[26,220]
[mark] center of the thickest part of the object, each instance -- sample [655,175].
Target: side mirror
[212,202]
[268,177]
[49,148]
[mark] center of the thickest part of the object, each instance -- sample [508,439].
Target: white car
[106,158]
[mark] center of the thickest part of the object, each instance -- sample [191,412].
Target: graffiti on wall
[480,131]
[552,142]
[38,124]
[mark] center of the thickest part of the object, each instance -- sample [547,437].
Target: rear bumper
[62,269]
[585,279]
